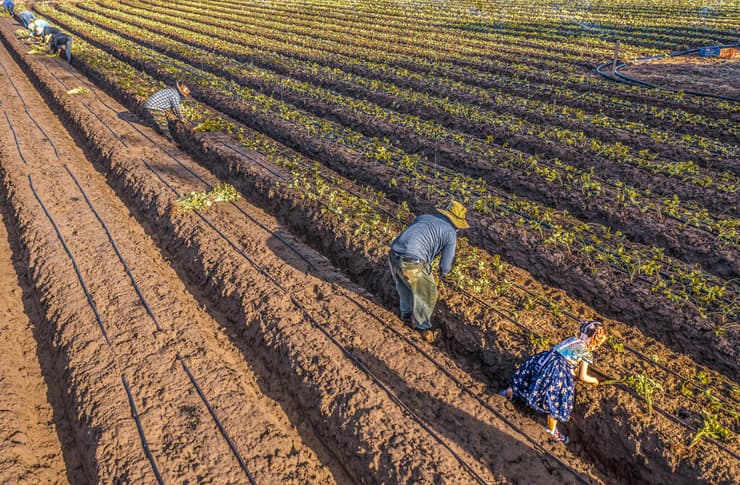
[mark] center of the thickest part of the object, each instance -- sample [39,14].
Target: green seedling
[644,386]
[536,341]
[711,428]
[203,200]
[615,344]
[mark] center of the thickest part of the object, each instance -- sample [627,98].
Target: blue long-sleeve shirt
[25,18]
[426,237]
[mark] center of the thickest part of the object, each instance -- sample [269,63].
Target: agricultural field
[219,309]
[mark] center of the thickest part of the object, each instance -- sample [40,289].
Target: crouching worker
[545,380]
[36,27]
[165,104]
[410,259]
[61,44]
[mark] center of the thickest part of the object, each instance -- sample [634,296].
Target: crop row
[570,180]
[583,94]
[563,23]
[525,76]
[527,119]
[516,214]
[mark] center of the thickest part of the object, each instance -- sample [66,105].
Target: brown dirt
[276,379]
[711,75]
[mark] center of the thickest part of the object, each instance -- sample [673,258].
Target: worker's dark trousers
[159,118]
[416,288]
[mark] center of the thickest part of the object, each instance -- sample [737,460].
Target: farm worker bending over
[36,27]
[9,6]
[411,258]
[46,31]
[166,103]
[61,42]
[545,380]
[25,18]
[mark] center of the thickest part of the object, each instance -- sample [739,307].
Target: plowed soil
[255,341]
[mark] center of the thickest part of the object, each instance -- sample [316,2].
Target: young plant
[711,428]
[644,386]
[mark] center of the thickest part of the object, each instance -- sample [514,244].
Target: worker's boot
[408,320]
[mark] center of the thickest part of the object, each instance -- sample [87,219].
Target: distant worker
[165,104]
[9,6]
[411,256]
[61,43]
[36,27]
[545,380]
[25,18]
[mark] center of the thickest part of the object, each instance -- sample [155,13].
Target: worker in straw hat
[410,259]
[165,104]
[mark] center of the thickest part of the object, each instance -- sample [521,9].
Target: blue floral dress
[545,380]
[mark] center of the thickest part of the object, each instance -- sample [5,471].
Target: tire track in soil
[178,428]
[228,286]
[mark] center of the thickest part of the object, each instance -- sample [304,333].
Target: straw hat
[184,90]
[455,212]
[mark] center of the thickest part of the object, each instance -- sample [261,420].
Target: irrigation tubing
[74,262]
[221,428]
[25,107]
[625,79]
[159,328]
[140,428]
[115,248]
[149,311]
[322,329]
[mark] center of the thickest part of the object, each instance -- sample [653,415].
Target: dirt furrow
[184,439]
[30,445]
[353,413]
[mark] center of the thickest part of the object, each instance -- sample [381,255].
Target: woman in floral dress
[545,380]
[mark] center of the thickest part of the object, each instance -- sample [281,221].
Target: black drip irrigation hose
[74,262]
[221,428]
[629,80]
[25,107]
[159,328]
[323,330]
[15,137]
[140,428]
[115,248]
